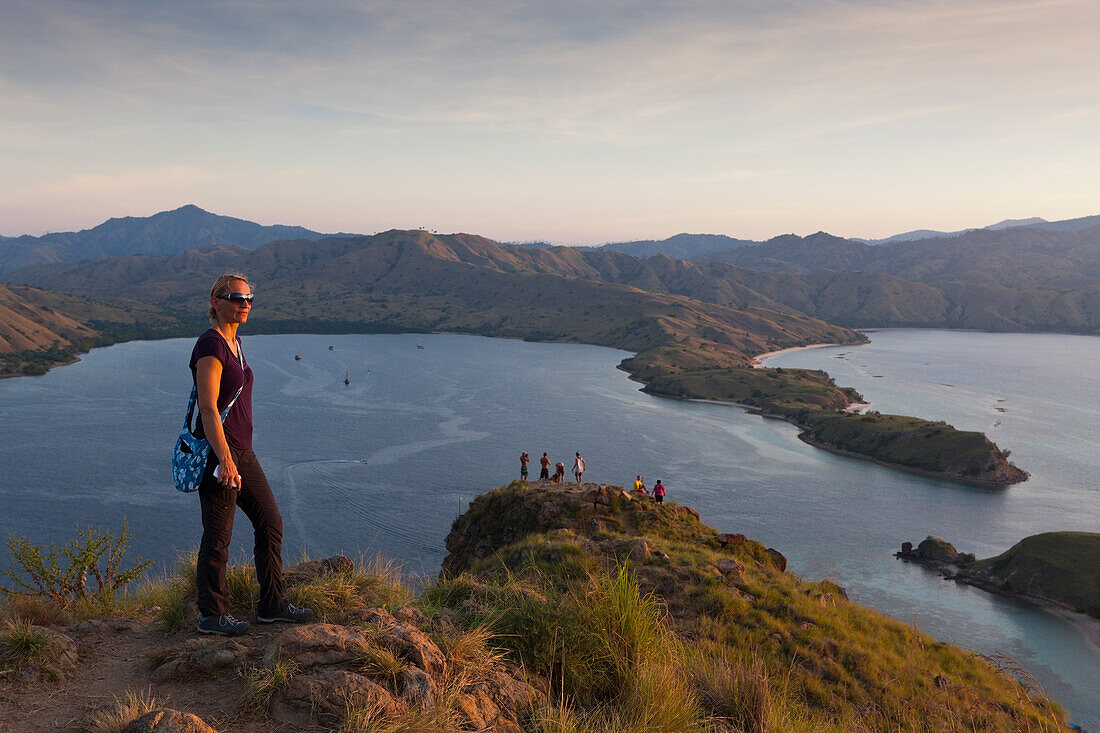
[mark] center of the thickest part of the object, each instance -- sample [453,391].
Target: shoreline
[758,360]
[983,483]
[1089,626]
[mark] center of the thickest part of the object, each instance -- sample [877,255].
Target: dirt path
[117,658]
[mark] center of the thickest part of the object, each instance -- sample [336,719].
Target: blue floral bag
[191,452]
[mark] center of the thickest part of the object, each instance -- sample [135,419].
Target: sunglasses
[237,299]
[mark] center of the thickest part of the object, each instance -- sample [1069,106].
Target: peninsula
[1060,569]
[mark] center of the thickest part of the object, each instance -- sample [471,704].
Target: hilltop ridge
[559,607]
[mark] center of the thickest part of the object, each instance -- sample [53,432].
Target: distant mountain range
[710,246]
[166,233]
[741,300]
[1066,225]
[416,281]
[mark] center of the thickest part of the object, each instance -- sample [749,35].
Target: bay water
[385,463]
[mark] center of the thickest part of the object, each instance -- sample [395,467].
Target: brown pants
[219,504]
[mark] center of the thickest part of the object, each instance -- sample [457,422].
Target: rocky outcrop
[381,667]
[507,515]
[934,552]
[58,656]
[201,656]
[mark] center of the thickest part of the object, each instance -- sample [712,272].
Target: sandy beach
[757,361]
[1088,625]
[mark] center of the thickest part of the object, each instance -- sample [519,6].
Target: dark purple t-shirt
[238,423]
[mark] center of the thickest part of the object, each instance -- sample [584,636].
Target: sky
[561,121]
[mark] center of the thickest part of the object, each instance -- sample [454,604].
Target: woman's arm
[208,379]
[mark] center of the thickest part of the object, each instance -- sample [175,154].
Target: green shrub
[63,574]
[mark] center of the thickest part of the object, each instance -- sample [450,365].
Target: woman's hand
[228,475]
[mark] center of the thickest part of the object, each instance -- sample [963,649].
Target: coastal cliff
[558,607]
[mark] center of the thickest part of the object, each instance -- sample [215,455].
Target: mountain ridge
[167,232]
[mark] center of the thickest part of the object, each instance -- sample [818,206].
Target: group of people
[578,473]
[559,468]
[658,489]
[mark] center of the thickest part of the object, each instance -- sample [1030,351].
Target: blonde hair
[221,287]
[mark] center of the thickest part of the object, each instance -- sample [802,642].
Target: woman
[233,476]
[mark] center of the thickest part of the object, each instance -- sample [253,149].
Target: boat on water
[347,376]
[419,342]
[330,348]
[298,356]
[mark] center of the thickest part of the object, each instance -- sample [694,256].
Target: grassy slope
[619,612]
[760,649]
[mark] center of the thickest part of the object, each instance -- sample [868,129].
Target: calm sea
[385,463]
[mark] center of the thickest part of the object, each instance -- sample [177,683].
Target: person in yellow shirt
[639,485]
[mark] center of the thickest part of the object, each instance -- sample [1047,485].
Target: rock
[411,615]
[605,494]
[732,539]
[936,550]
[314,645]
[378,616]
[310,570]
[941,682]
[59,655]
[729,566]
[417,688]
[689,512]
[167,720]
[477,708]
[777,558]
[636,550]
[88,626]
[742,594]
[660,553]
[322,698]
[228,653]
[414,646]
[172,669]
[497,703]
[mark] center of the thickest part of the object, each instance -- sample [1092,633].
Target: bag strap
[195,394]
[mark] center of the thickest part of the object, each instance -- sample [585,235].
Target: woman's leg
[218,506]
[258,503]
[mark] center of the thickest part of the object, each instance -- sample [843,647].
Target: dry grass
[23,645]
[261,684]
[122,712]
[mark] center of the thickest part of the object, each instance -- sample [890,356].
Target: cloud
[630,96]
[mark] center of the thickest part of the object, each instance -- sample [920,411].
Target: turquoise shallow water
[386,463]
